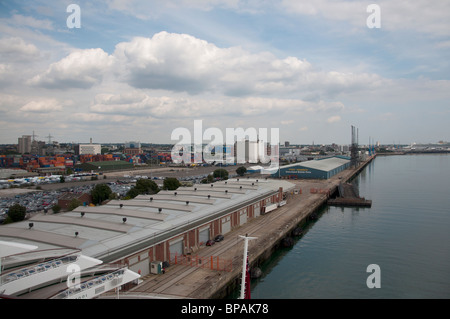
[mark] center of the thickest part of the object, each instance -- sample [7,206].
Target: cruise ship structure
[29,273]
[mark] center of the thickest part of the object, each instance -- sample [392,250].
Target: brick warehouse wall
[161,251]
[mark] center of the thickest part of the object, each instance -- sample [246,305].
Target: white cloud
[149,9]
[138,103]
[15,49]
[183,63]
[80,69]
[334,119]
[276,77]
[42,106]
[417,15]
[27,21]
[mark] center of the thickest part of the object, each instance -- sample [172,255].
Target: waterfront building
[322,168]
[152,228]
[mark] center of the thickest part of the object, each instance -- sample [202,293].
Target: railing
[320,191]
[29,271]
[115,277]
[209,262]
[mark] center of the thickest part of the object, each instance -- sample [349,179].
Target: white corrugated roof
[102,231]
[326,164]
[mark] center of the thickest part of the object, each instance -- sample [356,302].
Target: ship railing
[115,276]
[39,268]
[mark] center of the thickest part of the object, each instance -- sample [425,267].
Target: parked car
[210,242]
[218,238]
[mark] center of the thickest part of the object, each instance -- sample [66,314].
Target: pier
[189,281]
[348,196]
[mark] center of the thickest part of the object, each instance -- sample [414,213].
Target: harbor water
[406,234]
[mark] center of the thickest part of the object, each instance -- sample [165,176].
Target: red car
[210,242]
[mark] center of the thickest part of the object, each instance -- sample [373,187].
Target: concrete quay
[190,282]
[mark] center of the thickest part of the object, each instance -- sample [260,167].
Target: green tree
[132,193]
[62,179]
[171,183]
[207,179]
[147,186]
[100,193]
[17,212]
[56,209]
[143,186]
[74,203]
[241,170]
[221,173]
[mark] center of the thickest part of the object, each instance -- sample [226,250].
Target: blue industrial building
[323,168]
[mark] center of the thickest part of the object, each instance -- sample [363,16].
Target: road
[178,172]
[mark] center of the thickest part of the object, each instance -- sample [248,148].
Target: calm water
[406,233]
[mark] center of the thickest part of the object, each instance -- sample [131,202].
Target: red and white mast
[245,282]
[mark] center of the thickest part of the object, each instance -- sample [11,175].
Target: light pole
[244,264]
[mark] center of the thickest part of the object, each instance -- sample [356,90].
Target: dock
[348,196]
[350,202]
[185,281]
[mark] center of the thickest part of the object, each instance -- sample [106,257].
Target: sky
[136,70]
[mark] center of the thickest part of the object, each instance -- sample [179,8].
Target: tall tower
[24,144]
[354,148]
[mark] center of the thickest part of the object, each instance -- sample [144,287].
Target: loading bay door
[203,236]
[176,247]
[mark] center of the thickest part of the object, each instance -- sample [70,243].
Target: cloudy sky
[136,70]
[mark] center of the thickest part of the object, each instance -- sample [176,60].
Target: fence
[320,191]
[209,262]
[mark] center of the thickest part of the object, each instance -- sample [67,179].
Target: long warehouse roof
[121,227]
[327,164]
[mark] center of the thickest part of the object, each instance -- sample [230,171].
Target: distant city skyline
[137,70]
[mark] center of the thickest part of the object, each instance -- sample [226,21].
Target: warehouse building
[315,169]
[84,149]
[66,199]
[152,228]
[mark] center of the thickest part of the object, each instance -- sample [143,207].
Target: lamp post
[244,265]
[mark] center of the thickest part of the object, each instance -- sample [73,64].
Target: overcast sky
[136,70]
